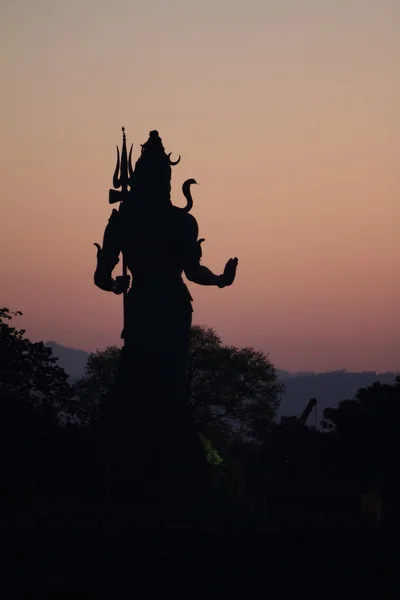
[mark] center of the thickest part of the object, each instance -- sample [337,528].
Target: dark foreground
[200,559]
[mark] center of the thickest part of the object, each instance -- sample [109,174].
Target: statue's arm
[108,255]
[196,272]
[203,276]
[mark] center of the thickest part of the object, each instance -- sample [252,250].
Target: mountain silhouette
[329,388]
[72,361]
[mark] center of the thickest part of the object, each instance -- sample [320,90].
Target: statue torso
[159,303]
[153,242]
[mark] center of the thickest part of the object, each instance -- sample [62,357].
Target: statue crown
[151,177]
[153,148]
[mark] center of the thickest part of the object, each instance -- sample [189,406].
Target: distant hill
[328,388]
[72,361]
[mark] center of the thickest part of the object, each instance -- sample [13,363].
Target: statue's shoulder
[183,219]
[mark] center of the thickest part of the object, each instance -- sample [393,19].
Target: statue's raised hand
[229,274]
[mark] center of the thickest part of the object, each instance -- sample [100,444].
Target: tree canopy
[234,388]
[30,378]
[366,431]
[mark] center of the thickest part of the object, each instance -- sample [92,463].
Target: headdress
[151,177]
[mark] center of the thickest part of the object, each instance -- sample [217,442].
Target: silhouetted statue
[159,242]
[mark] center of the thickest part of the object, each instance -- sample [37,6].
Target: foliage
[91,390]
[30,378]
[365,430]
[36,404]
[212,455]
[234,388]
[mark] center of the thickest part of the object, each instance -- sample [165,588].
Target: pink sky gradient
[287,114]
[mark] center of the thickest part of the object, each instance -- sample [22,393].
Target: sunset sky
[287,114]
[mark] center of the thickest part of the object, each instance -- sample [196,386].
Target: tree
[92,389]
[365,431]
[36,401]
[30,378]
[236,389]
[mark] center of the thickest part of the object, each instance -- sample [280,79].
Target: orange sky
[286,113]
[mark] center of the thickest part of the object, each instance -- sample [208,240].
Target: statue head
[150,181]
[151,178]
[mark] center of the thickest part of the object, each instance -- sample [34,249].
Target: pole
[125,294]
[122,179]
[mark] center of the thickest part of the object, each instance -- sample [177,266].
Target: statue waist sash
[158,288]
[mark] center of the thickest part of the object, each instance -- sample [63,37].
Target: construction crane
[306,412]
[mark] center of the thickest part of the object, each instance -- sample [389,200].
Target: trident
[123,176]
[122,182]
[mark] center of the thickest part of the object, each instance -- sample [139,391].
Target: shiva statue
[159,242]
